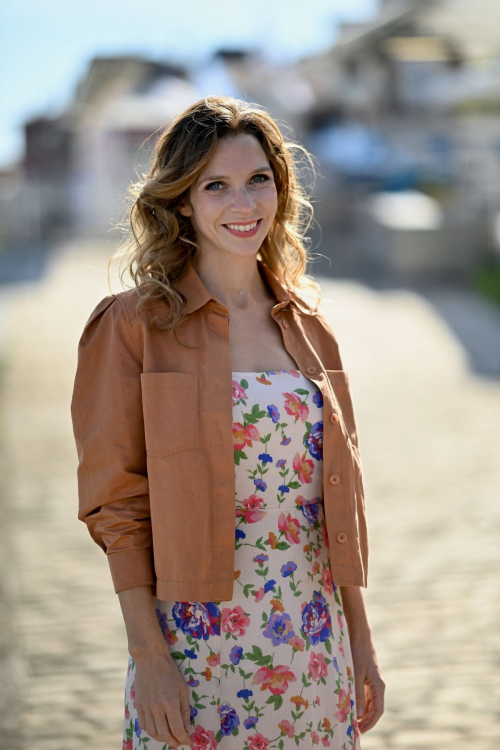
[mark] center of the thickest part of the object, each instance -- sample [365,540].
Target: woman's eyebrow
[225,177]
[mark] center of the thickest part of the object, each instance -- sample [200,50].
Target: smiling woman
[221,473]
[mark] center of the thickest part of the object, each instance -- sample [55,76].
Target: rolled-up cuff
[132,568]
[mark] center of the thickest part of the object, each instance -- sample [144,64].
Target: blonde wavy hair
[160,243]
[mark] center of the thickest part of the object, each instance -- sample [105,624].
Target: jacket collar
[197,295]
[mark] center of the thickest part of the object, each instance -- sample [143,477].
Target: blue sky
[46,46]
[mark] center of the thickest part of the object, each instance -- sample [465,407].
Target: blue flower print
[162,619]
[269,585]
[261,558]
[192,654]
[288,568]
[244,693]
[285,441]
[279,628]
[265,458]
[137,728]
[316,619]
[314,441]
[250,722]
[197,619]
[318,399]
[273,413]
[240,534]
[335,664]
[192,711]
[229,719]
[260,484]
[284,488]
[235,654]
[310,512]
[281,462]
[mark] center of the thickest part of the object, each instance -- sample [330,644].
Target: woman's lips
[249,233]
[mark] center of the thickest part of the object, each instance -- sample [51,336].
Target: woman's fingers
[185,707]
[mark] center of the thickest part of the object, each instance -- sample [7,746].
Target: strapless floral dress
[272,668]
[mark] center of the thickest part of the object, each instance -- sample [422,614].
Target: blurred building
[409,101]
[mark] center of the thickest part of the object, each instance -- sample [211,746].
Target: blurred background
[399,101]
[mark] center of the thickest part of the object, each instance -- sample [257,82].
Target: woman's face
[236,188]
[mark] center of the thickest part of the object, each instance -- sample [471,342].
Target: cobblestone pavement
[428,430]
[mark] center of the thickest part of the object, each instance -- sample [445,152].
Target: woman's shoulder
[125,305]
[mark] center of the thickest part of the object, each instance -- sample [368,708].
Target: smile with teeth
[243,227]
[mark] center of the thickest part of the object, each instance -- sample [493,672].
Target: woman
[219,465]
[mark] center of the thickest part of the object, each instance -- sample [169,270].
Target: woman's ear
[185,209]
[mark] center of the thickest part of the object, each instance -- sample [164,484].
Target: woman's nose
[243,199]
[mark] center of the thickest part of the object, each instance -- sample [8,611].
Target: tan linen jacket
[152,422]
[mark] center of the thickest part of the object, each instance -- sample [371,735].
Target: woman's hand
[162,698]
[369,684]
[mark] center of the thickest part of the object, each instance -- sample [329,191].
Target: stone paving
[428,430]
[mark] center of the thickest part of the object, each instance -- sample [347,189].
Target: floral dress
[272,668]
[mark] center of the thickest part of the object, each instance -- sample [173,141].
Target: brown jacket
[152,423]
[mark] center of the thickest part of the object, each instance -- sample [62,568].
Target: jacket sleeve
[108,426]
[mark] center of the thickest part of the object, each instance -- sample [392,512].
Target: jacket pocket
[340,384]
[171,414]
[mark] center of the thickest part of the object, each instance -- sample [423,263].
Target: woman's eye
[262,175]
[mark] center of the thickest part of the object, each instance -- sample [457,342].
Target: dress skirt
[272,668]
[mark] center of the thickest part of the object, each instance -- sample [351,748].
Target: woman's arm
[141,622]
[108,425]
[368,679]
[162,694]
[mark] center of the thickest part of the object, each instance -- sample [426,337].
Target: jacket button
[334,479]
[311,369]
[284,323]
[341,537]
[334,417]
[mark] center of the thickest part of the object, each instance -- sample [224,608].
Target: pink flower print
[243,436]
[326,577]
[258,742]
[252,511]
[132,693]
[304,468]
[234,621]
[315,738]
[287,728]
[203,739]
[315,568]
[275,680]
[318,668]
[341,622]
[128,744]
[291,527]
[238,391]
[343,704]
[325,741]
[295,407]
[259,595]
[317,552]
[214,659]
[318,702]
[301,500]
[297,643]
[127,712]
[341,648]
